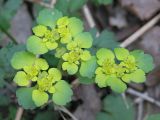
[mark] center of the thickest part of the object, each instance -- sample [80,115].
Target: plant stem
[9,35]
[65,110]
[19,113]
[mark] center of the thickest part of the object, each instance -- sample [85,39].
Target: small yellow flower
[30,73]
[46,83]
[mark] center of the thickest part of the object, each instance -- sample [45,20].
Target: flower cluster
[76,52]
[118,68]
[70,30]
[31,72]
[50,38]
[67,37]
[37,71]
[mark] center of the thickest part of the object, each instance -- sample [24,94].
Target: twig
[134,36]
[10,87]
[127,42]
[140,110]
[19,113]
[20,110]
[141,31]
[43,3]
[53,2]
[88,16]
[63,109]
[143,96]
[138,100]
[62,115]
[125,100]
[75,83]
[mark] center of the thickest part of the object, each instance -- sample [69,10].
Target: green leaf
[4,23]
[116,84]
[69,7]
[144,61]
[63,6]
[48,17]
[88,68]
[76,5]
[11,6]
[105,2]
[63,93]
[24,96]
[104,116]
[21,59]
[12,49]
[7,11]
[36,45]
[6,54]
[2,75]
[12,113]
[86,80]
[121,53]
[84,39]
[153,117]
[39,97]
[51,59]
[75,25]
[137,53]
[106,39]
[93,32]
[105,53]
[116,109]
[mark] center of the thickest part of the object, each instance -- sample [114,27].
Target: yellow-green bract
[117,68]
[47,81]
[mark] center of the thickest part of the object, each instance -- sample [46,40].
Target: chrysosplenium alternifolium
[65,37]
[120,67]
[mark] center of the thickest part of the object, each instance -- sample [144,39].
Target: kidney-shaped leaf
[154,117]
[88,68]
[24,96]
[36,45]
[63,93]
[48,17]
[21,59]
[116,109]
[144,61]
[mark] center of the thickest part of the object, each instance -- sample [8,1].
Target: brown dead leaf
[91,102]
[119,18]
[21,25]
[144,9]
